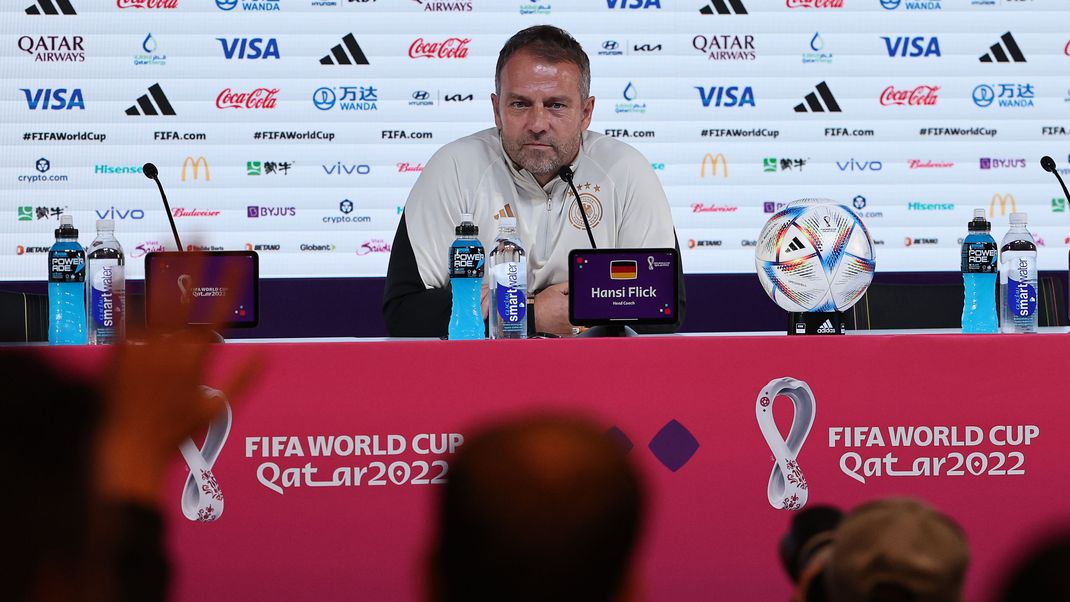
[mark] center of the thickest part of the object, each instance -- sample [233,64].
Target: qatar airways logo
[814,3]
[146,3]
[919,96]
[260,98]
[452,48]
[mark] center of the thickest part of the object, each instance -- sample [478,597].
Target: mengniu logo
[726,96]
[920,96]
[260,5]
[153,103]
[346,98]
[54,99]
[348,52]
[50,7]
[1006,50]
[191,166]
[913,47]
[451,48]
[54,49]
[814,3]
[723,7]
[714,161]
[911,4]
[1003,201]
[147,3]
[633,4]
[249,48]
[260,98]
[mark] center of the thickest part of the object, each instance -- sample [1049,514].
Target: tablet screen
[197,288]
[622,285]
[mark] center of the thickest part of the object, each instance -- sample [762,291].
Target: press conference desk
[332,463]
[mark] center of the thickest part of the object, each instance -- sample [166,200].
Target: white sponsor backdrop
[314,168]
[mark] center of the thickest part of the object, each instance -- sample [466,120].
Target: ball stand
[816,322]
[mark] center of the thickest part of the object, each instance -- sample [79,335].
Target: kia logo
[610,45]
[421,95]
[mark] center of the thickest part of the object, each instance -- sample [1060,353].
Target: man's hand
[484,299]
[551,310]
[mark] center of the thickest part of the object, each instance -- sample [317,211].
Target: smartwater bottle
[1018,278]
[106,287]
[979,258]
[66,287]
[466,264]
[508,284]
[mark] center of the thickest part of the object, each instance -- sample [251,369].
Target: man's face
[540,113]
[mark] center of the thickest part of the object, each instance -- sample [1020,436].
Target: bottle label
[104,293]
[1021,287]
[510,280]
[66,265]
[466,260]
[979,257]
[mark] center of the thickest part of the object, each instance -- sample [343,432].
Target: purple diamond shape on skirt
[615,434]
[673,446]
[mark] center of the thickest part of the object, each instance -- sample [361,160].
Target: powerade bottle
[508,284]
[106,287]
[1018,278]
[979,257]
[466,263]
[66,287]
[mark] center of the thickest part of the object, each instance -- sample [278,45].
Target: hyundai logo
[324,98]
[609,45]
[421,95]
[226,4]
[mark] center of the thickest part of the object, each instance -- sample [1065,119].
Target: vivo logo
[853,165]
[249,48]
[339,169]
[912,46]
[722,96]
[49,99]
[114,213]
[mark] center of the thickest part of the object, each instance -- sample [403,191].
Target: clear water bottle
[979,258]
[466,263]
[106,287]
[1018,278]
[508,284]
[66,287]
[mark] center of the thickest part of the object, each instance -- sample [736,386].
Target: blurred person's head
[545,508]
[1042,575]
[805,548]
[47,441]
[897,550]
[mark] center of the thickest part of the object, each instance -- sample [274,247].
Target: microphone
[153,174]
[565,173]
[1049,165]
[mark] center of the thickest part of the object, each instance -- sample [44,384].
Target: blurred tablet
[193,288]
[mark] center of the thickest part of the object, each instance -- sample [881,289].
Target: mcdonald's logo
[1003,200]
[197,164]
[714,161]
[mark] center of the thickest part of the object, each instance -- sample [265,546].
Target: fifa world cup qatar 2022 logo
[787,488]
[202,499]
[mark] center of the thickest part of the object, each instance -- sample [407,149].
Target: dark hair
[546,508]
[1042,575]
[548,43]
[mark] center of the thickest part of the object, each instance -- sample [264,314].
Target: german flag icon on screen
[623,269]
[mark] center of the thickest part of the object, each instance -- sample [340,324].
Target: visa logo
[722,96]
[249,48]
[912,46]
[633,3]
[114,213]
[48,99]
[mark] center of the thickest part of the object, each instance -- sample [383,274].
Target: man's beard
[542,163]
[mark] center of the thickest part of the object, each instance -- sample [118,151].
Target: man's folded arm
[410,309]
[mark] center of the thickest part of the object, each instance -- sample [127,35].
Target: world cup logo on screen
[202,498]
[787,489]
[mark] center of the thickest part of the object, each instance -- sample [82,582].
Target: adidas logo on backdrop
[145,106]
[724,7]
[346,53]
[998,52]
[813,104]
[51,7]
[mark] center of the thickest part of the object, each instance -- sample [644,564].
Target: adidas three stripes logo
[51,7]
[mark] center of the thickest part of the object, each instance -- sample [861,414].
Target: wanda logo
[814,3]
[920,96]
[260,98]
[453,48]
[146,3]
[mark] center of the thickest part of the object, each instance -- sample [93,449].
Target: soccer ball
[815,255]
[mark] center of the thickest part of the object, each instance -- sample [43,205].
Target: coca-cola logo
[452,48]
[375,245]
[410,168]
[146,3]
[704,208]
[183,212]
[920,96]
[814,3]
[260,98]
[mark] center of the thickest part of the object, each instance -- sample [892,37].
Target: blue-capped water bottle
[1018,278]
[979,257]
[466,264]
[66,287]
[508,284]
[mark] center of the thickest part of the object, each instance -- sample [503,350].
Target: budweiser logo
[183,212]
[410,168]
[453,48]
[922,95]
[918,164]
[146,3]
[704,208]
[260,98]
[814,3]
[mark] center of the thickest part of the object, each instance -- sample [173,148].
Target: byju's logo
[787,488]
[726,47]
[346,98]
[1004,51]
[54,99]
[50,7]
[1007,95]
[145,104]
[813,104]
[991,163]
[256,211]
[723,7]
[911,4]
[249,48]
[346,53]
[54,49]
[916,46]
[726,96]
[633,4]
[260,5]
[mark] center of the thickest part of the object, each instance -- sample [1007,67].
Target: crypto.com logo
[787,489]
[202,499]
